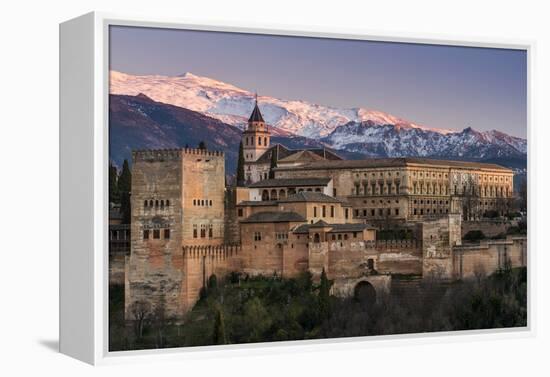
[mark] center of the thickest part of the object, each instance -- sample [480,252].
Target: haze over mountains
[164,112]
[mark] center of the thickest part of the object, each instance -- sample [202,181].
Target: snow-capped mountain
[357,131]
[392,140]
[232,105]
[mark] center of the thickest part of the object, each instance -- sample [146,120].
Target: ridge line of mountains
[172,112]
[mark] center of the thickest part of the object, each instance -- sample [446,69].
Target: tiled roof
[274,217]
[302,156]
[254,203]
[256,115]
[291,182]
[336,228]
[308,196]
[392,162]
[283,152]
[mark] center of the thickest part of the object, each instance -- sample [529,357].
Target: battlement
[172,154]
[216,252]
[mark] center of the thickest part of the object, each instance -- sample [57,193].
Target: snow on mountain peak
[233,105]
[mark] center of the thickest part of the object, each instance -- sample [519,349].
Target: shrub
[474,235]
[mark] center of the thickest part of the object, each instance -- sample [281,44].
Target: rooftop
[256,115]
[274,217]
[309,196]
[335,228]
[392,162]
[291,182]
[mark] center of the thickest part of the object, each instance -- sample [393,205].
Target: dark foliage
[474,235]
[263,309]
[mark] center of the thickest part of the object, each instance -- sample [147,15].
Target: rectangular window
[324,211]
[372,213]
[156,234]
[346,214]
[240,212]
[257,236]
[334,192]
[166,234]
[314,211]
[195,235]
[364,212]
[203,231]
[397,212]
[331,211]
[146,234]
[210,235]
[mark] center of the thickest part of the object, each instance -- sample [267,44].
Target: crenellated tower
[256,136]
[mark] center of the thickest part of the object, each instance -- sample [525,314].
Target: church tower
[256,136]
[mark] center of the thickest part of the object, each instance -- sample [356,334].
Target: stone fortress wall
[186,227]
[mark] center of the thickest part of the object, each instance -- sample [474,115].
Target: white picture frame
[84,72]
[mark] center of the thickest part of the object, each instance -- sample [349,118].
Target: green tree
[324,296]
[124,187]
[113,184]
[219,328]
[273,164]
[202,145]
[240,166]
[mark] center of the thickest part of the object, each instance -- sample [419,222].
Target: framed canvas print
[225,187]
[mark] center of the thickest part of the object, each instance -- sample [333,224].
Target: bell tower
[256,136]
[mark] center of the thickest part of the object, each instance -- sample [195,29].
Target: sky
[433,85]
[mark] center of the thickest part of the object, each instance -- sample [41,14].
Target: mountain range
[165,112]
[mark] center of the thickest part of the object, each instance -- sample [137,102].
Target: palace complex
[305,210]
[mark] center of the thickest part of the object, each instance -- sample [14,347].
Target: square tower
[177,200]
[256,136]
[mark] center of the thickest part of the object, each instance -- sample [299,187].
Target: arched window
[316,238]
[210,202]
[167,203]
[282,194]
[265,141]
[273,194]
[145,204]
[259,141]
[156,203]
[265,195]
[150,203]
[162,204]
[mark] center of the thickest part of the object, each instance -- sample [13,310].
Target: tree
[471,209]
[113,184]
[324,296]
[523,195]
[273,164]
[219,328]
[141,310]
[124,187]
[240,166]
[202,145]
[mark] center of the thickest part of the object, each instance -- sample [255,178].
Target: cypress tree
[219,328]
[273,162]
[324,296]
[240,166]
[113,184]
[202,145]
[124,187]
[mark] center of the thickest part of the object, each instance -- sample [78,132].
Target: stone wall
[490,228]
[489,256]
[438,239]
